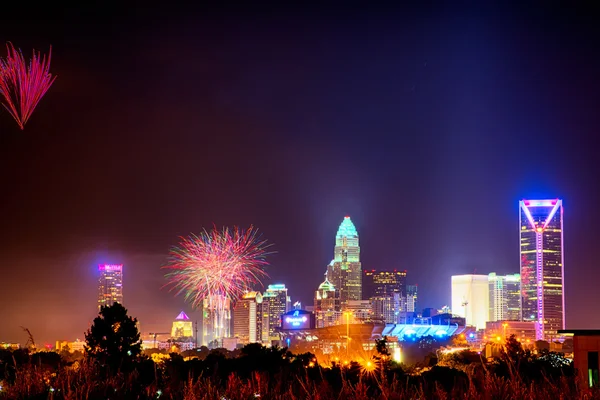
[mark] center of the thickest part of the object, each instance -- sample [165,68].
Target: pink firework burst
[22,86]
[217,264]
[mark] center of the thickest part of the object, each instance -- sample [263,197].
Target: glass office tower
[542,265]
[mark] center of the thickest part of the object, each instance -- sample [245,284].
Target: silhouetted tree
[381,346]
[554,365]
[11,361]
[459,340]
[449,378]
[114,340]
[77,355]
[46,359]
[256,357]
[459,360]
[203,352]
[541,345]
[513,350]
[65,353]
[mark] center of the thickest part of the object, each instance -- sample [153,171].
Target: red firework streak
[22,86]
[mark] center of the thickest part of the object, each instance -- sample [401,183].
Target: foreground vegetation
[274,373]
[114,367]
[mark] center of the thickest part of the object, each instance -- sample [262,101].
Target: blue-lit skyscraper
[345,272]
[542,265]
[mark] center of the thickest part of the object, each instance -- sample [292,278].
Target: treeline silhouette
[275,373]
[113,367]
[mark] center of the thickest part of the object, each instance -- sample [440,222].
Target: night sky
[425,125]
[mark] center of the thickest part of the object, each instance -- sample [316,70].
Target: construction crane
[158,333]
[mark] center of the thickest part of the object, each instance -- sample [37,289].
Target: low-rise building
[500,330]
[64,345]
[586,351]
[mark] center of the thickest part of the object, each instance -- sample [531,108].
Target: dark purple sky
[426,126]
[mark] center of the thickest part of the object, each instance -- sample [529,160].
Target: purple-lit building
[542,265]
[110,284]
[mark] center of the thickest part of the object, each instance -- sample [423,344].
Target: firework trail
[216,268]
[22,86]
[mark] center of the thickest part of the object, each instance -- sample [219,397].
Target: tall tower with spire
[345,271]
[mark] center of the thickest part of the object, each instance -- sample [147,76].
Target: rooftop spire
[182,317]
[327,286]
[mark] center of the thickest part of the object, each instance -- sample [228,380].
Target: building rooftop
[276,287]
[581,332]
[420,330]
[251,295]
[347,229]
[182,317]
[326,285]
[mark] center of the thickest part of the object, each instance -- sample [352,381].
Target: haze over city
[426,127]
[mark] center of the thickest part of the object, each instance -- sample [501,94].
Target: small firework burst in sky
[22,86]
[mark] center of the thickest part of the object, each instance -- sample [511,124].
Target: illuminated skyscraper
[275,303]
[410,304]
[505,297]
[387,292]
[216,319]
[383,283]
[327,305]
[262,322]
[470,299]
[385,309]
[542,265]
[246,313]
[110,284]
[345,272]
[182,327]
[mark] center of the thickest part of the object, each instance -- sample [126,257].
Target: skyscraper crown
[182,317]
[327,286]
[347,229]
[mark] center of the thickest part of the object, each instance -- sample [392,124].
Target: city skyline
[426,125]
[111,284]
[477,298]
